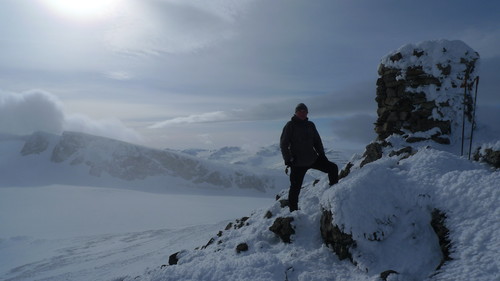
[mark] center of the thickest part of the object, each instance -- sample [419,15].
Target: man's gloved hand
[288,163]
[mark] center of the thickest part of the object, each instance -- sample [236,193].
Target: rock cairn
[420,91]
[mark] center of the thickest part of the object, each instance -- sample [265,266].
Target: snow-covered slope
[408,209]
[404,211]
[386,208]
[81,159]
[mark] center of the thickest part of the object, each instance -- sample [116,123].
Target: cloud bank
[352,101]
[37,110]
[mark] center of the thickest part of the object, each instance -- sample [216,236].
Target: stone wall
[420,90]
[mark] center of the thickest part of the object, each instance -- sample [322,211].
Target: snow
[61,232]
[88,233]
[95,211]
[391,197]
[58,222]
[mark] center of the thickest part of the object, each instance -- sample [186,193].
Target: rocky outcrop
[343,244]
[489,154]
[37,143]
[339,241]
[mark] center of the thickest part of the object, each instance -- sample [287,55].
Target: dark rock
[442,232]
[396,57]
[386,274]
[445,70]
[36,144]
[414,139]
[372,153]
[345,172]
[173,259]
[283,228]
[332,236]
[242,247]
[405,150]
[489,156]
[284,203]
[441,140]
[268,215]
[418,53]
[210,242]
[241,222]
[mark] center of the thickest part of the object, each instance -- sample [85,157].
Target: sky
[206,74]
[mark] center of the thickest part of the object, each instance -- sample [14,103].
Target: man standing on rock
[302,149]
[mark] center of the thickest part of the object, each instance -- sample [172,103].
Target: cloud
[118,75]
[485,42]
[37,110]
[355,100]
[112,128]
[208,117]
[173,27]
[355,128]
[30,111]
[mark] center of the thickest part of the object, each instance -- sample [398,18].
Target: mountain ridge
[73,157]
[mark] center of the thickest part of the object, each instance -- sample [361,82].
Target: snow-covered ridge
[103,160]
[408,209]
[268,157]
[385,207]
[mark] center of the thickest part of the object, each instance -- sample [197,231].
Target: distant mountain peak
[100,157]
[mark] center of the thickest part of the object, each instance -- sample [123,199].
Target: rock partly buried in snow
[438,224]
[282,227]
[340,242]
[242,247]
[489,153]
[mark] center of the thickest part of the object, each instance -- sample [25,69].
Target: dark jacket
[300,143]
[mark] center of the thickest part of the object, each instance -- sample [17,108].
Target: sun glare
[82,9]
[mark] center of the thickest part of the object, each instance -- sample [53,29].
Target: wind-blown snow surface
[87,233]
[393,197]
[61,232]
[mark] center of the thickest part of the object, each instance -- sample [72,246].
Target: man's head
[301,111]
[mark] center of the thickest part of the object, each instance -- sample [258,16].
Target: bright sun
[82,9]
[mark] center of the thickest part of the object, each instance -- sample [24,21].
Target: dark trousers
[297,177]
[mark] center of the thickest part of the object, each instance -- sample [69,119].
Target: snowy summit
[412,207]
